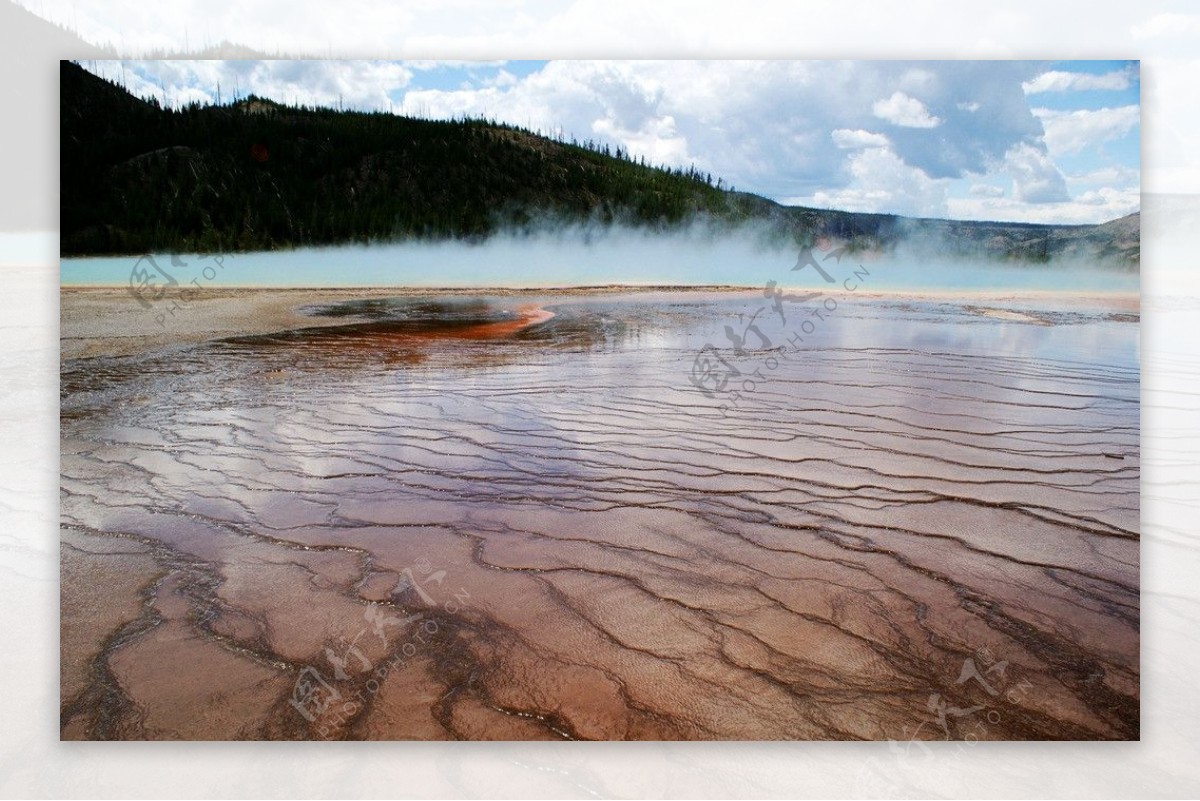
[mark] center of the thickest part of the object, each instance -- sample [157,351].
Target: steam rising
[700,254]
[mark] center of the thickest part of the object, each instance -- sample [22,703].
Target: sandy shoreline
[106,320]
[109,321]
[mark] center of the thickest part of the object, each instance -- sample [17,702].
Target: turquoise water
[577,260]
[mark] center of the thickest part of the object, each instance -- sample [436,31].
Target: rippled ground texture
[464,520]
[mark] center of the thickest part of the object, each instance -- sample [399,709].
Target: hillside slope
[259,175]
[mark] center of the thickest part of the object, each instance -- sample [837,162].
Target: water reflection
[913,481]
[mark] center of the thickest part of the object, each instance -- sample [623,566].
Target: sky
[1028,141]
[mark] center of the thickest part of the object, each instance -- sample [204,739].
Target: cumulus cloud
[986,190]
[846,138]
[1110,175]
[1093,207]
[1059,81]
[905,111]
[766,126]
[1101,197]
[882,182]
[1036,179]
[656,138]
[1073,131]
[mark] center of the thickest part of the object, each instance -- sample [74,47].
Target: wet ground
[649,516]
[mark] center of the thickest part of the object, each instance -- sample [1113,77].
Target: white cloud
[656,138]
[905,111]
[777,128]
[986,190]
[1058,81]
[918,80]
[970,106]
[502,78]
[882,182]
[1073,131]
[847,139]
[1094,207]
[1036,179]
[1105,196]
[1113,175]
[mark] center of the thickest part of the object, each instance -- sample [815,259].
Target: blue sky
[1036,141]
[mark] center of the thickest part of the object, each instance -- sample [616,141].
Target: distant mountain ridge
[259,175]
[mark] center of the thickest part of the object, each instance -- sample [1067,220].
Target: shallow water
[579,257]
[914,520]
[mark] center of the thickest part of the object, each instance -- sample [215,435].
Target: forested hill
[258,175]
